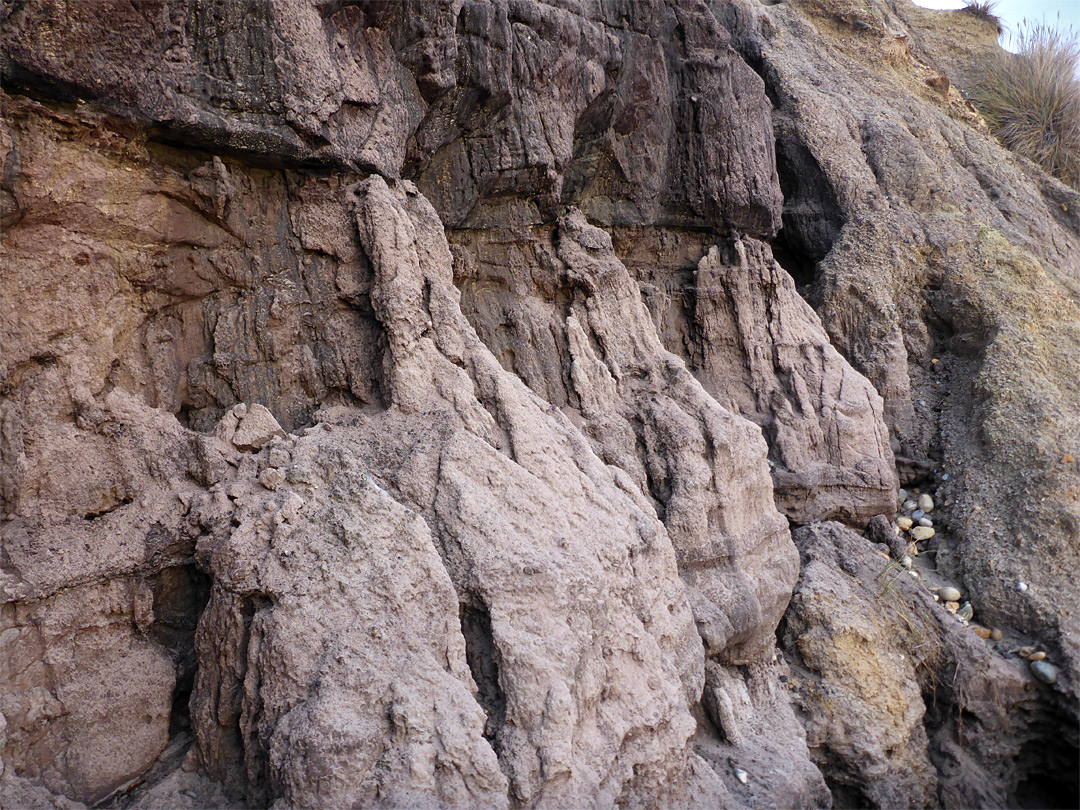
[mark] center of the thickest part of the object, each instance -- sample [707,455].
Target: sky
[1012,12]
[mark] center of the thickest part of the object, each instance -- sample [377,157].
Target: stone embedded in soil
[1044,671]
[926,523]
[926,503]
[904,522]
[910,506]
[921,533]
[272,478]
[257,427]
[949,594]
[918,514]
[982,632]
[1037,656]
[996,635]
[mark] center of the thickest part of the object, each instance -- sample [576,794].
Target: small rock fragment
[926,523]
[996,635]
[949,594]
[917,514]
[965,613]
[901,496]
[278,457]
[256,428]
[910,506]
[1037,656]
[272,478]
[921,533]
[1021,586]
[904,522]
[1025,652]
[742,775]
[952,607]
[982,632]
[1044,671]
[926,503]
[906,561]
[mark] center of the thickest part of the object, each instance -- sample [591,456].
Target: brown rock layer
[320,486]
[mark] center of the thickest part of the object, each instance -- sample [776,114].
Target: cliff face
[401,405]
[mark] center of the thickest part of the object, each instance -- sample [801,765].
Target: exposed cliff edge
[402,405]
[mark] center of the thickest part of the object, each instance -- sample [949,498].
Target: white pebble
[926,523]
[910,506]
[906,561]
[742,775]
[926,503]
[921,533]
[1021,586]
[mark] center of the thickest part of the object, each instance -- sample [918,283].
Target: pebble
[966,613]
[1044,671]
[901,496]
[996,635]
[926,522]
[949,594]
[918,514]
[1024,652]
[904,522]
[272,478]
[920,533]
[742,775]
[906,561]
[1037,656]
[1021,586]
[982,633]
[926,503]
[910,506]
[952,606]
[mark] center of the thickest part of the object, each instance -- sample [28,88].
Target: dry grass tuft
[984,10]
[1031,99]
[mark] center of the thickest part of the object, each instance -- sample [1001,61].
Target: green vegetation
[1031,99]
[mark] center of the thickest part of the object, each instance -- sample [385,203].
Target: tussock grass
[984,10]
[1031,99]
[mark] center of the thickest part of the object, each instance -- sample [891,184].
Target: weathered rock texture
[401,405]
[905,706]
[948,271]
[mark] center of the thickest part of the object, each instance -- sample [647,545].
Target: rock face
[949,274]
[401,405]
[868,644]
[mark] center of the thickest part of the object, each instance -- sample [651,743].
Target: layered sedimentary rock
[321,487]
[948,271]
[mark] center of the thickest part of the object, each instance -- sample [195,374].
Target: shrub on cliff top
[1031,99]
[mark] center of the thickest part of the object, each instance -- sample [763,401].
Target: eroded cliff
[401,405]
